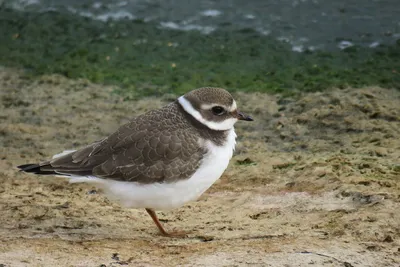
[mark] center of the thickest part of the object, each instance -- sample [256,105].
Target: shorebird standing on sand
[159,160]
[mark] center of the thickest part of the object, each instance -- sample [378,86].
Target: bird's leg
[153,215]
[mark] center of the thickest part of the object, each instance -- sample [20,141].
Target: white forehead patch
[220,126]
[233,107]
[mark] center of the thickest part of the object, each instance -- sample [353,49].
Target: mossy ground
[145,60]
[314,174]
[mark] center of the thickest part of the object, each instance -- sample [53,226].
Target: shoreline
[306,24]
[144,60]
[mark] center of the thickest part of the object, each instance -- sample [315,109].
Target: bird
[159,160]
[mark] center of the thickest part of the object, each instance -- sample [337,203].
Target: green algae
[144,60]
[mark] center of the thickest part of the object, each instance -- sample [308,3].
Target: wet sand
[315,181]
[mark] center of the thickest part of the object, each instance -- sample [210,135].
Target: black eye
[217,110]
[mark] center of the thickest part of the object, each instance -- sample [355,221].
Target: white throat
[219,126]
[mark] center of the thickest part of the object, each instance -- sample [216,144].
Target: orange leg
[153,215]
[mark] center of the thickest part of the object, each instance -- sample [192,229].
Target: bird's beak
[243,117]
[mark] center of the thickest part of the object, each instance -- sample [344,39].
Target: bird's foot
[176,234]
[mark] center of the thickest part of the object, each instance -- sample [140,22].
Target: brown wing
[151,148]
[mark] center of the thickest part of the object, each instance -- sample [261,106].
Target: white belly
[163,196]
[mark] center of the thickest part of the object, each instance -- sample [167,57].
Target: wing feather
[148,149]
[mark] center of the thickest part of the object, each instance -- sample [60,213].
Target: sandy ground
[315,181]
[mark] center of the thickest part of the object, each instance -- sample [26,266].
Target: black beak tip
[248,118]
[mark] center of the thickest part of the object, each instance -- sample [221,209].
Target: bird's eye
[217,110]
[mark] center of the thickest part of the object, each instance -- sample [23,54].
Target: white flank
[164,196]
[65,152]
[220,126]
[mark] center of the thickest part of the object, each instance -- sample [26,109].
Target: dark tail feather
[36,169]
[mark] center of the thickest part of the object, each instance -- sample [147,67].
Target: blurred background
[150,47]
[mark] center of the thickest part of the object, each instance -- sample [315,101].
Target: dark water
[305,24]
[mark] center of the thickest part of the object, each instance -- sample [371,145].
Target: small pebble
[381,151]
[388,239]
